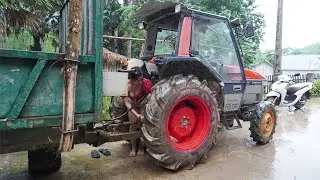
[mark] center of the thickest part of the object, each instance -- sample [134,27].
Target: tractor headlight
[177,8]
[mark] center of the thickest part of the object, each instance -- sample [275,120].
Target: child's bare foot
[132,153]
[140,152]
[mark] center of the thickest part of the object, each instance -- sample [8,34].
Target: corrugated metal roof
[301,62]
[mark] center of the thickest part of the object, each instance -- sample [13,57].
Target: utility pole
[70,74]
[277,67]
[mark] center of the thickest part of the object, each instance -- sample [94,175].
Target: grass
[105,107]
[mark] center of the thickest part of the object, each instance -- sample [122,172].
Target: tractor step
[225,122]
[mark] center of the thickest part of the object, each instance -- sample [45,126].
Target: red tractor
[194,60]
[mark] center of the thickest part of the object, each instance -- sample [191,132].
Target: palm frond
[4,2]
[22,19]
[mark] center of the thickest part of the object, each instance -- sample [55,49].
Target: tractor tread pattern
[256,135]
[163,95]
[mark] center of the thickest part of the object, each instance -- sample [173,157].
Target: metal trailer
[31,90]
[32,98]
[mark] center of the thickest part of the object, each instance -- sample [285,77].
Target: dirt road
[292,154]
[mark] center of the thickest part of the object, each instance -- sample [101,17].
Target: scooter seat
[296,87]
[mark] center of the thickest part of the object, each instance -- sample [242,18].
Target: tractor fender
[188,65]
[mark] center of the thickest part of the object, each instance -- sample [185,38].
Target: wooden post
[277,66]
[310,77]
[70,74]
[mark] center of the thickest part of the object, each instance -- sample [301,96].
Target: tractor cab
[204,42]
[173,30]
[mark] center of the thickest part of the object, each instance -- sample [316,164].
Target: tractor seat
[296,87]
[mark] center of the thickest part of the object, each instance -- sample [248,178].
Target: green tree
[268,55]
[111,21]
[34,16]
[129,27]
[311,49]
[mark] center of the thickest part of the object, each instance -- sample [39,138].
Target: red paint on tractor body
[185,37]
[235,73]
[251,74]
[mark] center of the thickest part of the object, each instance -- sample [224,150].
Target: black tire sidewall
[256,134]
[298,105]
[43,161]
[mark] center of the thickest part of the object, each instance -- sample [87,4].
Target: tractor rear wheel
[180,124]
[264,125]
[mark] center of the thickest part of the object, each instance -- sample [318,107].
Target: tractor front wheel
[263,126]
[181,122]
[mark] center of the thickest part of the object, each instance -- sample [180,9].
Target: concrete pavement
[292,154]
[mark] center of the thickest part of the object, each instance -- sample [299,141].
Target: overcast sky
[301,26]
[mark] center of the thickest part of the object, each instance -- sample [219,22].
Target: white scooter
[286,95]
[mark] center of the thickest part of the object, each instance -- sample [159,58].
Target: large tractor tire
[263,126]
[180,124]
[43,161]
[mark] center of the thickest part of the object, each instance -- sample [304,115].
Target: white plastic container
[115,83]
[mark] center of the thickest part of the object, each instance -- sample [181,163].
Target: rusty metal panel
[90,27]
[84,33]
[60,33]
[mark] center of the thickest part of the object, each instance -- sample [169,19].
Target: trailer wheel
[181,122]
[43,161]
[263,126]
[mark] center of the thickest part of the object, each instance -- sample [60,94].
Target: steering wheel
[216,63]
[207,58]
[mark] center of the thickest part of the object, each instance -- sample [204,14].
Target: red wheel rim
[188,123]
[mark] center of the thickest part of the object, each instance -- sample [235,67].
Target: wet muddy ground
[294,153]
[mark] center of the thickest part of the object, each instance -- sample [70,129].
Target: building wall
[264,69]
[290,72]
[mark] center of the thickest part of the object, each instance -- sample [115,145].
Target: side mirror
[248,29]
[142,25]
[235,22]
[297,74]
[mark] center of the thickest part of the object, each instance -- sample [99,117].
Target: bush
[316,88]
[105,107]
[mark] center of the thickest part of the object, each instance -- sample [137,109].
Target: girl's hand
[140,117]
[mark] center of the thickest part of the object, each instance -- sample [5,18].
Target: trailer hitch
[224,119]
[99,137]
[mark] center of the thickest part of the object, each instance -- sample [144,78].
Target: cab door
[214,41]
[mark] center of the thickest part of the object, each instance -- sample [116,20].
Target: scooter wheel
[301,102]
